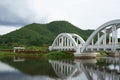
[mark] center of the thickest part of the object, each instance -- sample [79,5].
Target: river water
[17,68]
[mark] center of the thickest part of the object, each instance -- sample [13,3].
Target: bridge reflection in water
[100,69]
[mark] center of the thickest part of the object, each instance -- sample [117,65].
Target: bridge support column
[98,41]
[92,41]
[68,42]
[77,40]
[104,40]
[114,37]
[92,44]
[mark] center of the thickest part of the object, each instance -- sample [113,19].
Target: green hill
[40,34]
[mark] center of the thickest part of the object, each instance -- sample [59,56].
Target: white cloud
[85,14]
[82,13]
[7,29]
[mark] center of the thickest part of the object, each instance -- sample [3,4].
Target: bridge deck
[103,47]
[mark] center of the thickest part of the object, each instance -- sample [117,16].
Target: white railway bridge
[106,34]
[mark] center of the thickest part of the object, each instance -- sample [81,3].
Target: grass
[12,54]
[37,48]
[7,53]
[59,55]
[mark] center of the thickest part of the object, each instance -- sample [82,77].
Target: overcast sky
[85,14]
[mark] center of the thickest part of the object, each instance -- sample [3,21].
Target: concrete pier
[85,55]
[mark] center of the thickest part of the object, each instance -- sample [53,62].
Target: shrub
[60,55]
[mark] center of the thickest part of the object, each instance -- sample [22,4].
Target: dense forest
[40,34]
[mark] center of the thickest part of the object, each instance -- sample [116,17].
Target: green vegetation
[51,55]
[39,34]
[2,54]
[37,48]
[60,55]
[12,54]
[31,66]
[34,35]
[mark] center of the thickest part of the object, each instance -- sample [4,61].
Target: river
[17,68]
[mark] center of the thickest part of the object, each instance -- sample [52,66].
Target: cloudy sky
[85,14]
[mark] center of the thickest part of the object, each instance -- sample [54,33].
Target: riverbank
[107,54]
[43,52]
[50,55]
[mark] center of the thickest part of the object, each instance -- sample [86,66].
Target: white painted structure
[18,59]
[67,41]
[18,49]
[107,31]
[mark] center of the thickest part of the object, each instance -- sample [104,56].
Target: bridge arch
[114,25]
[65,69]
[67,41]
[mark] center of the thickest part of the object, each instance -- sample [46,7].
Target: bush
[60,55]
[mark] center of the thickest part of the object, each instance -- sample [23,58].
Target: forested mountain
[40,34]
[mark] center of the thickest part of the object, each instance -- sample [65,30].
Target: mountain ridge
[40,34]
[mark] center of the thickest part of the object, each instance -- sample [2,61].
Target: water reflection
[10,73]
[87,69]
[37,69]
[6,68]
[28,70]
[18,59]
